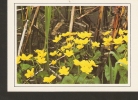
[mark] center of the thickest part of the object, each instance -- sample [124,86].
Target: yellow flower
[81,35]
[76,62]
[24,57]
[116,47]
[69,53]
[68,46]
[80,46]
[66,34]
[118,40]
[40,60]
[57,38]
[84,63]
[86,66]
[30,73]
[106,43]
[53,53]
[124,61]
[73,33]
[59,54]
[121,32]
[49,79]
[109,39]
[106,33]
[86,69]
[92,63]
[53,62]
[62,48]
[125,31]
[70,39]
[95,44]
[78,41]
[85,41]
[18,59]
[41,53]
[63,70]
[125,38]
[84,35]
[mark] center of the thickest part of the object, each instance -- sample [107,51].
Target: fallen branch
[71,19]
[30,28]
[88,12]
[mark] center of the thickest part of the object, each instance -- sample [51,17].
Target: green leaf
[121,48]
[67,80]
[107,72]
[80,78]
[82,52]
[124,66]
[77,56]
[62,64]
[123,80]
[25,66]
[43,74]
[115,55]
[75,50]
[96,80]
[123,75]
[114,72]
[19,76]
[96,55]
[70,62]
[88,81]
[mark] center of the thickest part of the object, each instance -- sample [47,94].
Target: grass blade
[48,12]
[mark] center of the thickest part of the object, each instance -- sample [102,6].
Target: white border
[60,87]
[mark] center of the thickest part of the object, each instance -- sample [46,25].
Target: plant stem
[110,66]
[48,12]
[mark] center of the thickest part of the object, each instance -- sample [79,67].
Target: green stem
[102,77]
[110,66]
[48,12]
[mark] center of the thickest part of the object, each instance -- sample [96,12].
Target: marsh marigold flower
[30,73]
[66,34]
[24,57]
[106,33]
[107,41]
[41,60]
[85,41]
[125,38]
[57,38]
[53,53]
[83,35]
[95,44]
[63,70]
[68,46]
[80,46]
[49,79]
[70,39]
[92,63]
[69,53]
[86,69]
[77,41]
[121,32]
[53,62]
[118,40]
[59,54]
[41,53]
[76,62]
[18,59]
[124,61]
